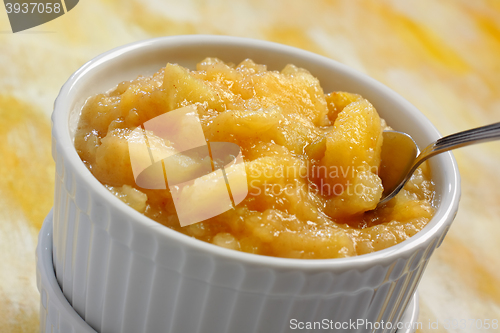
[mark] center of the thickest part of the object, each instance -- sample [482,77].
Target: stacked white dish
[123,272]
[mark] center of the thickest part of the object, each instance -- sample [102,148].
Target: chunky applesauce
[311,159]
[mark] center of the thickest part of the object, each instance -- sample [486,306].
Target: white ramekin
[123,272]
[57,315]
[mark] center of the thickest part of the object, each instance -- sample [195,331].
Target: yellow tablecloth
[443,56]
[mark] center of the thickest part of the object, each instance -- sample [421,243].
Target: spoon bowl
[399,152]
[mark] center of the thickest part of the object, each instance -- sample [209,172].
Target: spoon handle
[469,137]
[461,139]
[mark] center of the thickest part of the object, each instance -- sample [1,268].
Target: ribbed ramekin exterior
[124,278]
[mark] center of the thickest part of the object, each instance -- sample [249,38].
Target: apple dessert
[310,160]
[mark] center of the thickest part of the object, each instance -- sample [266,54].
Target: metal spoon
[401,156]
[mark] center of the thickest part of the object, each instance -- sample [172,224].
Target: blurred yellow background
[443,56]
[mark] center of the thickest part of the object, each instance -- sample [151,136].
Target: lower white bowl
[58,316]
